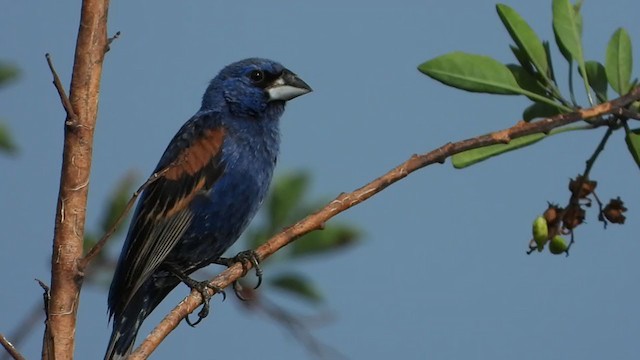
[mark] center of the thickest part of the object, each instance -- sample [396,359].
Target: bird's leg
[243,257]
[200,286]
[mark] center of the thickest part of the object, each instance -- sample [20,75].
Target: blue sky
[442,273]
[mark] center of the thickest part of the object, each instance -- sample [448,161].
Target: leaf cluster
[8,74]
[533,75]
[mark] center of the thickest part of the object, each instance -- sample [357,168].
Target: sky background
[442,272]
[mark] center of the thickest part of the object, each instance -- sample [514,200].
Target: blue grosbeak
[213,177]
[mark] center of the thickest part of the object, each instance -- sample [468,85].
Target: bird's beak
[287,87]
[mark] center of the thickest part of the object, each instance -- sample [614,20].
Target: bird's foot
[244,257]
[201,287]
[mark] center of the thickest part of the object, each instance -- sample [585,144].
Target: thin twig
[47,341]
[629,113]
[347,200]
[592,160]
[297,328]
[95,250]
[112,39]
[64,99]
[10,348]
[25,327]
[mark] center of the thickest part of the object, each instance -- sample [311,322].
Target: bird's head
[252,86]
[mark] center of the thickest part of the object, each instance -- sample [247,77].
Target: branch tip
[10,348]
[64,99]
[110,40]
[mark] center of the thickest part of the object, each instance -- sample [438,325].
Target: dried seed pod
[582,187]
[614,211]
[552,215]
[573,217]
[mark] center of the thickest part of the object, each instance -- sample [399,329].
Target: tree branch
[347,200]
[10,348]
[66,279]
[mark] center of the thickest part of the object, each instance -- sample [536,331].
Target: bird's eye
[256,76]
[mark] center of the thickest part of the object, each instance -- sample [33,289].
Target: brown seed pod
[582,187]
[552,215]
[614,211]
[573,217]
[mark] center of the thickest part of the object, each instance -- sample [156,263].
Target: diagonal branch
[347,200]
[10,348]
[95,250]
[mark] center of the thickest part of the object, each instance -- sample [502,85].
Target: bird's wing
[190,166]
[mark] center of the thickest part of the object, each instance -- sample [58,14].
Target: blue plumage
[216,172]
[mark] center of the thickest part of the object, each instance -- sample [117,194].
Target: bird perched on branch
[211,180]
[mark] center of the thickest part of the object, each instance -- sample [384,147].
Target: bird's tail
[127,324]
[123,336]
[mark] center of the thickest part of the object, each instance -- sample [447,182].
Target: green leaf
[477,73]
[117,202]
[470,72]
[523,60]
[8,73]
[330,239]
[6,140]
[547,50]
[256,237]
[597,79]
[471,157]
[524,36]
[619,61]
[295,284]
[632,139]
[286,194]
[526,81]
[539,110]
[567,26]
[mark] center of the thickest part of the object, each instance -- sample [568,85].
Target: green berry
[540,232]
[558,245]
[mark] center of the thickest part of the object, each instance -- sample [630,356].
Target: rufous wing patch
[197,156]
[192,171]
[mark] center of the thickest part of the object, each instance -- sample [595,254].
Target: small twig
[95,250]
[110,40]
[298,329]
[571,92]
[601,216]
[571,242]
[72,118]
[629,113]
[347,200]
[47,341]
[10,348]
[25,327]
[592,160]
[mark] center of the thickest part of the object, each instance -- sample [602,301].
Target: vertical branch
[66,279]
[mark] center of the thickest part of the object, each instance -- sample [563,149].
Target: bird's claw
[243,257]
[250,256]
[203,287]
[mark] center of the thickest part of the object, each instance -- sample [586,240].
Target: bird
[207,186]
